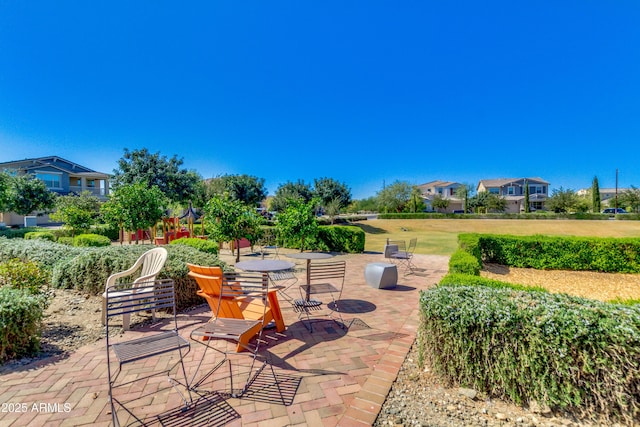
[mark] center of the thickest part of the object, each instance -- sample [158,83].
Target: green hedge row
[564,351]
[200,244]
[524,216]
[612,255]
[340,238]
[46,254]
[89,270]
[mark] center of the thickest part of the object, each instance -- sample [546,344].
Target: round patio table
[264,266]
[308,302]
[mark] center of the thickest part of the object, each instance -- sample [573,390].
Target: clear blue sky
[364,92]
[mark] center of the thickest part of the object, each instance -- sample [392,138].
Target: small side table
[381,275]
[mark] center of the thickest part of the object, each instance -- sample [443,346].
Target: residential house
[60,176]
[513,190]
[445,190]
[607,195]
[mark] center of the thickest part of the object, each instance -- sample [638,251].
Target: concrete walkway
[329,377]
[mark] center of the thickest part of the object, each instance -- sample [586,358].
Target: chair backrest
[245,284]
[412,245]
[152,262]
[123,299]
[400,244]
[208,278]
[327,270]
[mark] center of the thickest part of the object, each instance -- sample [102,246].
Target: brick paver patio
[329,377]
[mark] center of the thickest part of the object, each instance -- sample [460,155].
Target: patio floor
[329,377]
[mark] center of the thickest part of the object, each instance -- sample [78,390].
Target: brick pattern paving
[330,377]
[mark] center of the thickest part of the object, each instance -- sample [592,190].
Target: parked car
[614,211]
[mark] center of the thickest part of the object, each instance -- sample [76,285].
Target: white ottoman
[381,275]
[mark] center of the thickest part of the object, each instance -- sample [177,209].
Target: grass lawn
[439,236]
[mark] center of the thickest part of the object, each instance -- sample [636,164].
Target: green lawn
[439,236]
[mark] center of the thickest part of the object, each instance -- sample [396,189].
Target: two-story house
[60,176]
[513,190]
[443,189]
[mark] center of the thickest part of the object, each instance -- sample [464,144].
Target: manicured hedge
[91,240]
[340,238]
[567,352]
[20,322]
[461,279]
[562,252]
[463,262]
[200,244]
[45,235]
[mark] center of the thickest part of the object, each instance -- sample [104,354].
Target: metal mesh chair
[125,300]
[397,251]
[324,278]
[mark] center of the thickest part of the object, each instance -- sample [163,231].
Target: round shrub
[45,235]
[200,244]
[23,275]
[65,240]
[463,262]
[91,240]
[20,323]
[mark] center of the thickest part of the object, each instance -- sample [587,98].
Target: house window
[494,190]
[51,180]
[537,189]
[511,190]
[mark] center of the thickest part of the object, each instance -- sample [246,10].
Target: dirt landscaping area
[588,284]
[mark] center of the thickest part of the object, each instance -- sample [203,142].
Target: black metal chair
[125,300]
[324,278]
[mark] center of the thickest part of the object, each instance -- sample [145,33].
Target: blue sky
[365,92]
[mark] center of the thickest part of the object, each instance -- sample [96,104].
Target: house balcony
[98,192]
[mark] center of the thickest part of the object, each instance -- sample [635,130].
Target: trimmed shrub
[200,244]
[45,253]
[89,270]
[107,230]
[17,233]
[91,240]
[463,262]
[567,352]
[23,275]
[20,323]
[45,235]
[460,279]
[65,240]
[563,253]
[339,238]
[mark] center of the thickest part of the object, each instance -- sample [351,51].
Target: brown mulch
[588,284]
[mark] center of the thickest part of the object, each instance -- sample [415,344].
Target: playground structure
[172,228]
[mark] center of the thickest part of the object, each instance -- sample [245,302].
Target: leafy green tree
[78,213]
[297,222]
[630,198]
[596,203]
[291,191]
[369,204]
[416,202]
[27,194]
[4,191]
[527,201]
[134,207]
[495,203]
[229,219]
[179,185]
[332,209]
[439,203]
[562,200]
[394,197]
[328,190]
[250,190]
[464,192]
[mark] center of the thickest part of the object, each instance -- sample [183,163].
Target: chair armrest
[111,280]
